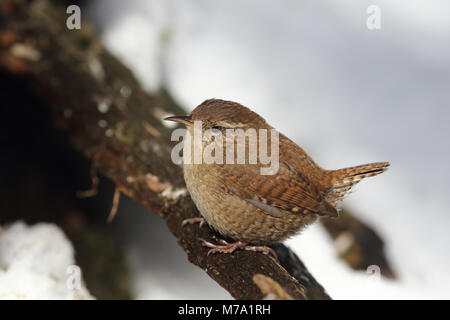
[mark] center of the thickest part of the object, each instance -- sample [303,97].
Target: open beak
[187,120]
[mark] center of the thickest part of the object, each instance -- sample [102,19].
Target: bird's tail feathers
[342,180]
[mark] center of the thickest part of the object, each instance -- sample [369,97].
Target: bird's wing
[287,190]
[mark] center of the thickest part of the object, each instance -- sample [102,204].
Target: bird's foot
[199,220]
[226,247]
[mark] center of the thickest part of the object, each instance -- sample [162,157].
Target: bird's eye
[216,129]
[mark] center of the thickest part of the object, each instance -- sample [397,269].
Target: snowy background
[37,262]
[346,94]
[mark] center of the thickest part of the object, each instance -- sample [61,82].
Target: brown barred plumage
[244,205]
[342,180]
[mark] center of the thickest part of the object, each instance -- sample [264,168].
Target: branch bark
[356,243]
[108,117]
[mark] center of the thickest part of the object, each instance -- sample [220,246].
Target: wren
[257,209]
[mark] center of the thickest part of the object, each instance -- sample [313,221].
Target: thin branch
[115,205]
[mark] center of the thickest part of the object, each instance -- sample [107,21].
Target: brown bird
[252,208]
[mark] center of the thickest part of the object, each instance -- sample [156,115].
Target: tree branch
[108,117]
[358,244]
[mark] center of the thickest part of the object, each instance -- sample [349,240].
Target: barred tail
[343,180]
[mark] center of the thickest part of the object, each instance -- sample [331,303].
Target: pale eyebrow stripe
[228,124]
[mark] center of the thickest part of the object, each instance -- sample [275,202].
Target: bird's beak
[187,120]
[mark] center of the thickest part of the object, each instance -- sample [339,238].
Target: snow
[160,269]
[37,262]
[347,95]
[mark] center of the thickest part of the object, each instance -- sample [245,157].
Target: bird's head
[220,115]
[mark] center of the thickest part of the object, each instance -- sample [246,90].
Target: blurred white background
[346,94]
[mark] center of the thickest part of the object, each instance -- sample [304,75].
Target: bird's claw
[226,247]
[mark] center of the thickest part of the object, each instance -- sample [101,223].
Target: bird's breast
[234,217]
